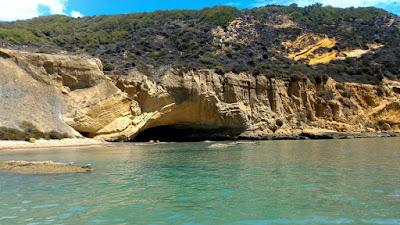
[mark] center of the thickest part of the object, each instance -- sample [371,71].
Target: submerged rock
[230,144]
[219,145]
[44,167]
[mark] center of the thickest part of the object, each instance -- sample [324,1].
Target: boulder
[42,167]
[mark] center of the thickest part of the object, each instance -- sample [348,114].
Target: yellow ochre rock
[71,94]
[305,48]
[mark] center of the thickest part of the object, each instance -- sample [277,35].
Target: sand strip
[44,144]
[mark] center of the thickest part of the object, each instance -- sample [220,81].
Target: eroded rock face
[71,94]
[193,100]
[306,47]
[24,97]
[260,107]
[62,93]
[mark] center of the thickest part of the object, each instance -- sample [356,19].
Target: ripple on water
[381,221]
[303,221]
[279,182]
[7,218]
[73,211]
[46,206]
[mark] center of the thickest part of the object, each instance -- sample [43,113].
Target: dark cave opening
[187,133]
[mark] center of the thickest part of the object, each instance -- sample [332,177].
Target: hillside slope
[354,45]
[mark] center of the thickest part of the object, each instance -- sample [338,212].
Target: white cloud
[11,10]
[24,9]
[336,3]
[76,14]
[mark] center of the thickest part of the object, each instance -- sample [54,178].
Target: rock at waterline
[44,167]
[231,144]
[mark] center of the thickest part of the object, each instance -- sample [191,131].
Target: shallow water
[272,182]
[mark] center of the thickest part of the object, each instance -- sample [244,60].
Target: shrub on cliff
[11,134]
[327,95]
[27,131]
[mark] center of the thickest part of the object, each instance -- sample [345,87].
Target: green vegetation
[15,35]
[315,15]
[326,95]
[184,39]
[28,130]
[221,16]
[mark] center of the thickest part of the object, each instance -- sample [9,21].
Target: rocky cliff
[61,93]
[70,94]
[245,106]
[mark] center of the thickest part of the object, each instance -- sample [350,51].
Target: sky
[11,10]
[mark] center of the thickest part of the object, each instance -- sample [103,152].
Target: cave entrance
[186,133]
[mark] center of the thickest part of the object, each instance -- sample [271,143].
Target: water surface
[272,182]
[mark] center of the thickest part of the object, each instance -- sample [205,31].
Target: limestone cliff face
[62,93]
[71,94]
[259,107]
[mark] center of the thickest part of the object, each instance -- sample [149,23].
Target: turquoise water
[275,182]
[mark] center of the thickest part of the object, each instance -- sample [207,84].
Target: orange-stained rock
[71,94]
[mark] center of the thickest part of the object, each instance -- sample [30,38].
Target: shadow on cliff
[187,133]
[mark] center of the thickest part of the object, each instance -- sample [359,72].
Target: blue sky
[88,7]
[24,9]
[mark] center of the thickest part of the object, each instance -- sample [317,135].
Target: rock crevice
[70,94]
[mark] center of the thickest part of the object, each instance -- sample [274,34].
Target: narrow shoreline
[6,145]
[49,144]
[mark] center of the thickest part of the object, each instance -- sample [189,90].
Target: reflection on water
[275,182]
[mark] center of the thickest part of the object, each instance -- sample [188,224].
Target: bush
[57,135]
[11,134]
[221,15]
[340,86]
[327,95]
[28,131]
[296,78]
[220,70]
[108,67]
[347,94]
